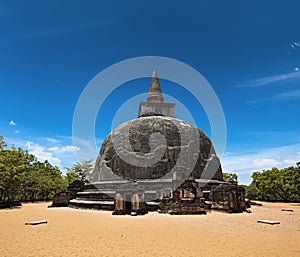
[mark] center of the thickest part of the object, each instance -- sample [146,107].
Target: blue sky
[248,52]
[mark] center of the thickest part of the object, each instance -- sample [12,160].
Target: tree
[230,177]
[252,192]
[23,177]
[80,170]
[13,166]
[275,185]
[71,177]
[43,181]
[2,143]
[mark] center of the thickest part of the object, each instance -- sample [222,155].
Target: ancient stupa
[143,135]
[153,162]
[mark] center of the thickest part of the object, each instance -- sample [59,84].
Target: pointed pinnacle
[155,94]
[154,75]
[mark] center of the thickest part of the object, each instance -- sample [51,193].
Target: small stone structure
[187,199]
[228,197]
[62,199]
[9,204]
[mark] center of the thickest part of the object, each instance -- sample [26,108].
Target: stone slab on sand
[34,223]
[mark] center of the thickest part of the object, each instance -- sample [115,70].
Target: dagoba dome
[158,163]
[157,145]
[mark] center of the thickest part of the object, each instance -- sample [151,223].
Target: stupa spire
[155,105]
[155,94]
[154,74]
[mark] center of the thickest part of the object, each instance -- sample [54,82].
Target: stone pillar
[119,205]
[135,202]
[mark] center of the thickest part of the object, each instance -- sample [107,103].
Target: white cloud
[69,148]
[88,150]
[17,132]
[271,79]
[295,45]
[63,149]
[12,123]
[290,161]
[52,140]
[290,95]
[42,154]
[54,149]
[62,156]
[265,162]
[244,164]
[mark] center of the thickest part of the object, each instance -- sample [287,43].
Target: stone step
[93,199]
[106,202]
[106,192]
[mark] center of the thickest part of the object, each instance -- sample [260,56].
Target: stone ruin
[62,199]
[9,204]
[187,199]
[185,179]
[229,198]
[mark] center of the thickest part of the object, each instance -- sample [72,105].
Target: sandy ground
[75,232]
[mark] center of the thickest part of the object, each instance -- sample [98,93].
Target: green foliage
[23,177]
[2,143]
[275,185]
[71,177]
[230,177]
[80,170]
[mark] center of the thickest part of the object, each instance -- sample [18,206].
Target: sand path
[75,232]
